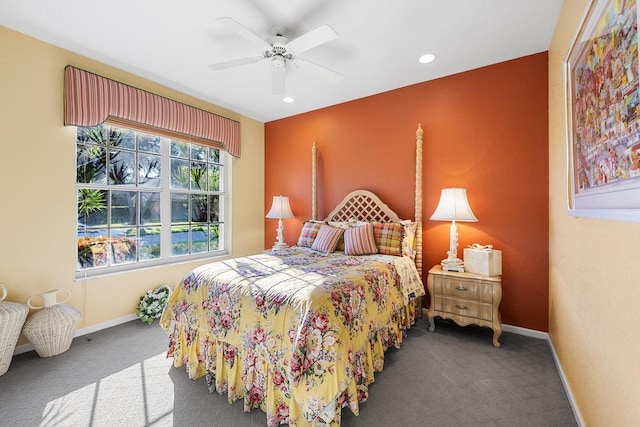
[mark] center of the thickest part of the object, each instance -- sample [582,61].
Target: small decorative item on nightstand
[466,298]
[483,259]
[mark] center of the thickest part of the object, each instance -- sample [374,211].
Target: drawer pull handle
[462,307]
[461,288]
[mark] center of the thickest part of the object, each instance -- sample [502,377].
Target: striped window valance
[90,100]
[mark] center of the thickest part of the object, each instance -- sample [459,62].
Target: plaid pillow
[388,237]
[327,239]
[309,232]
[360,240]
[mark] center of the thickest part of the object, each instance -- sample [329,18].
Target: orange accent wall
[485,130]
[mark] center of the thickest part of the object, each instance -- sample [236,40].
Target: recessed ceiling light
[287,99]
[425,59]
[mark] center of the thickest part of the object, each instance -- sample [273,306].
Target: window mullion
[165,200]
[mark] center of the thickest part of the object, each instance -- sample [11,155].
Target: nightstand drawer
[460,288]
[465,308]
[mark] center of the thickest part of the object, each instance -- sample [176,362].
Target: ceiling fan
[282,53]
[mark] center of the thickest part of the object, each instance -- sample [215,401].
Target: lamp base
[455,264]
[278,246]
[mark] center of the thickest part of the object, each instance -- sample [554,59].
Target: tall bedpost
[314,183]
[418,201]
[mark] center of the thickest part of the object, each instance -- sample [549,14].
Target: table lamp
[453,206]
[280,209]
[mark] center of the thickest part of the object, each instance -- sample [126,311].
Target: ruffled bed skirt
[242,373]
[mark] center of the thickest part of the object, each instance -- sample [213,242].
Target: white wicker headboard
[362,205]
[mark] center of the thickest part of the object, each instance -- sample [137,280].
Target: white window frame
[165,191]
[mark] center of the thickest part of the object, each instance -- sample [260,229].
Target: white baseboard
[526,332]
[83,331]
[565,384]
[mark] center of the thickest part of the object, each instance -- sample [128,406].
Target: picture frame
[602,84]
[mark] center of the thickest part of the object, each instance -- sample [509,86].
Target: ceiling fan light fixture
[287,99]
[278,61]
[426,58]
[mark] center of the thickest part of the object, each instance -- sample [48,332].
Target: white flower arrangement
[152,303]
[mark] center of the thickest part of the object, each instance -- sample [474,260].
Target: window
[144,199]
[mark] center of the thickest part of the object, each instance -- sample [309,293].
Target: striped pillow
[308,234]
[360,241]
[327,239]
[388,237]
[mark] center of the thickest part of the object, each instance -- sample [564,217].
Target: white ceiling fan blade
[235,63]
[278,80]
[319,71]
[245,32]
[313,38]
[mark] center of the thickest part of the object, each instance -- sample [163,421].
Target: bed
[300,332]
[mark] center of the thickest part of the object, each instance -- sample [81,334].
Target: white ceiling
[172,42]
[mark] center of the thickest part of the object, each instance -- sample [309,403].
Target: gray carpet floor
[451,377]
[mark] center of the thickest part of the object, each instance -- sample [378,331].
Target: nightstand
[466,298]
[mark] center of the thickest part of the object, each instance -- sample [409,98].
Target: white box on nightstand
[487,262]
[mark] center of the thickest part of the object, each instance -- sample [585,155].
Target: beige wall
[37,177]
[594,289]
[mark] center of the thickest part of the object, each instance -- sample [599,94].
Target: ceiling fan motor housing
[278,53]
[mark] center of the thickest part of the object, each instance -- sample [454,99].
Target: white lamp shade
[454,206]
[280,208]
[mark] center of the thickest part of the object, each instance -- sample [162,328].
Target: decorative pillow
[409,239]
[309,232]
[327,239]
[388,237]
[344,225]
[360,240]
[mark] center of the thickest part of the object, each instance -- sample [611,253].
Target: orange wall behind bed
[485,130]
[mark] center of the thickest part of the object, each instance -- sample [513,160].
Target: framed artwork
[603,113]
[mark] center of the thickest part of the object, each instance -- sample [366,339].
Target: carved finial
[419,132]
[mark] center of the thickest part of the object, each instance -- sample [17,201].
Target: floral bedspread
[294,333]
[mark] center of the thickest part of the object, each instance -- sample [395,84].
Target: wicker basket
[12,317]
[51,329]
